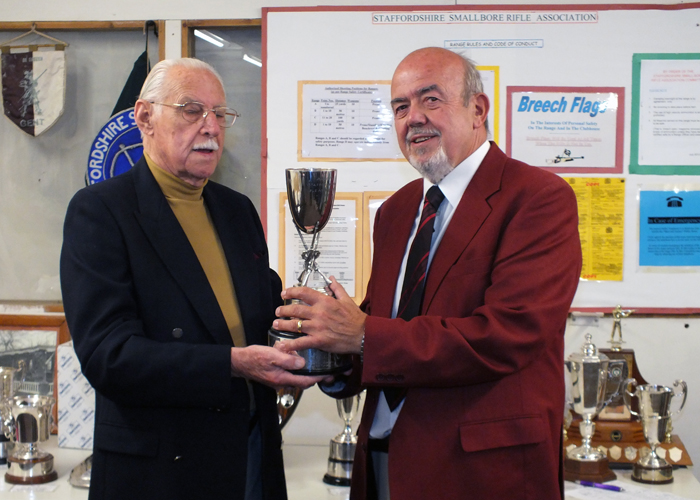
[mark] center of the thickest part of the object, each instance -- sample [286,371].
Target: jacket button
[177,333]
[177,458]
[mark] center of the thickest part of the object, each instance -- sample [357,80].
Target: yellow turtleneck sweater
[188,205]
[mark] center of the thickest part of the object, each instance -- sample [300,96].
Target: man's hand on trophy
[330,324]
[270,366]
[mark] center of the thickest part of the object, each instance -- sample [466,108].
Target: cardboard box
[76,402]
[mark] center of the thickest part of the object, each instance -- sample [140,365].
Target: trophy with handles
[655,415]
[311,193]
[342,446]
[27,420]
[594,381]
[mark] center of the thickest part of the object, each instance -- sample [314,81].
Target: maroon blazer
[483,364]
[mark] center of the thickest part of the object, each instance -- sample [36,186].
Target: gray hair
[472,80]
[472,83]
[157,87]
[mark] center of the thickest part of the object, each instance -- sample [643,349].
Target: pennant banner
[34,89]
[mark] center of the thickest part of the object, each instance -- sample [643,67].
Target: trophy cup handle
[7,420]
[627,395]
[684,390]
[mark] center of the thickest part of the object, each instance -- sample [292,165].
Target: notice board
[327,72]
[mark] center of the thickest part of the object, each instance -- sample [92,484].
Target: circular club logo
[116,148]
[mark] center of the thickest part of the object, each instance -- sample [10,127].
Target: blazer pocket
[126,440]
[490,434]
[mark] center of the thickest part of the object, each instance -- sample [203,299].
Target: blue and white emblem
[116,148]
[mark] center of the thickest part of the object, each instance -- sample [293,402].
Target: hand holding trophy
[311,193]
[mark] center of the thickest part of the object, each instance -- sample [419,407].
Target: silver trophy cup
[342,446]
[28,421]
[311,193]
[656,416]
[594,381]
[7,377]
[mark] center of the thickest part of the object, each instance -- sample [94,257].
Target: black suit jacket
[171,422]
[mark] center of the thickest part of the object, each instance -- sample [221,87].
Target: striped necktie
[415,274]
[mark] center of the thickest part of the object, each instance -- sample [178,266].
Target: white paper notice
[560,128]
[347,120]
[336,244]
[669,114]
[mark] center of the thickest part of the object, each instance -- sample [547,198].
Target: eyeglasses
[194,112]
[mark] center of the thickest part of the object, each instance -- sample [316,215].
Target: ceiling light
[209,37]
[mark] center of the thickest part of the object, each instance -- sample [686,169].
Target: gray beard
[434,168]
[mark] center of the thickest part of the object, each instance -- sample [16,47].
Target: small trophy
[655,415]
[342,448]
[7,375]
[311,192]
[595,381]
[27,419]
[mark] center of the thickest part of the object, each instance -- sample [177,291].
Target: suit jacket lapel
[236,245]
[387,265]
[470,214]
[170,242]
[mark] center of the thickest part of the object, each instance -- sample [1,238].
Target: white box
[76,402]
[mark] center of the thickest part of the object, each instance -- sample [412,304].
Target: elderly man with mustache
[460,338]
[168,295]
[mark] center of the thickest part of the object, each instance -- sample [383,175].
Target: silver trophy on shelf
[27,420]
[594,381]
[311,193]
[342,446]
[655,415]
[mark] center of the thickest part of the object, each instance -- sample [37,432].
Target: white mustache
[209,144]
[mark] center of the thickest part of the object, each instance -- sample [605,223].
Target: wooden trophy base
[597,472]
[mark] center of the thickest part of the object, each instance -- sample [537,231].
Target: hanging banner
[34,88]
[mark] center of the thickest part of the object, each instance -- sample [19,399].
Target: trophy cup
[342,448]
[27,419]
[655,415]
[7,375]
[311,192]
[595,380]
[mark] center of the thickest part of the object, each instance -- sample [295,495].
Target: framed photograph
[28,342]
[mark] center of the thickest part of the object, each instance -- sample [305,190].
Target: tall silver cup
[655,415]
[342,447]
[594,381]
[28,419]
[7,377]
[311,193]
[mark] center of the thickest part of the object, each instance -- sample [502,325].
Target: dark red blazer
[483,364]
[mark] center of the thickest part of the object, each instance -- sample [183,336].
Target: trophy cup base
[336,481]
[339,472]
[652,475]
[317,362]
[30,471]
[596,471]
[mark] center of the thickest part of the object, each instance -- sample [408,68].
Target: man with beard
[460,337]
[168,295]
